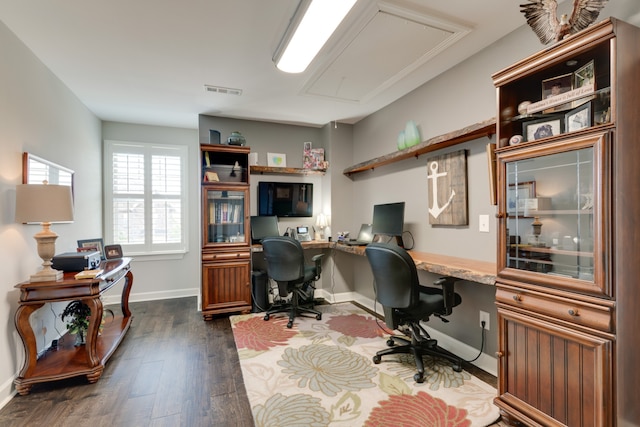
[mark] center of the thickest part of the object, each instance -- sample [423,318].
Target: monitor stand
[399,242]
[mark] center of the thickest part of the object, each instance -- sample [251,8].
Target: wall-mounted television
[285,199]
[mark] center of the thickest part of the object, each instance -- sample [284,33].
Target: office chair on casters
[286,265]
[400,293]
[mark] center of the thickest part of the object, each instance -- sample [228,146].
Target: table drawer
[578,312]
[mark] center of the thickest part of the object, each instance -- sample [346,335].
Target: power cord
[484,332]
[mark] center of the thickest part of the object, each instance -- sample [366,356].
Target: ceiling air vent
[223,90]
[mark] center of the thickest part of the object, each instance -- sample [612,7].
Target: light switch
[484,223]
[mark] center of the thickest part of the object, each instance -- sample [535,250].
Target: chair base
[417,348]
[294,308]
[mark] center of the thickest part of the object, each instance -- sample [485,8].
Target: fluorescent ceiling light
[310,28]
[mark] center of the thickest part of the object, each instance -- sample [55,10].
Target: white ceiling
[148,61]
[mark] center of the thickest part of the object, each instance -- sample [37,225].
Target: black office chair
[400,293]
[286,265]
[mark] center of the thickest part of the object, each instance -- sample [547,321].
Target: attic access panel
[392,44]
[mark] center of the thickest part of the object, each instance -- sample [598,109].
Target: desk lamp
[322,223]
[45,204]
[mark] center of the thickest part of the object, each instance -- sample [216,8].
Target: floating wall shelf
[486,128]
[284,171]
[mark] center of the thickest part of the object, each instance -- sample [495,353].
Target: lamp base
[47,275]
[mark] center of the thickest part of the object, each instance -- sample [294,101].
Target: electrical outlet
[484,317]
[483,223]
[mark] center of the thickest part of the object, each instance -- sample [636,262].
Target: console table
[68,360]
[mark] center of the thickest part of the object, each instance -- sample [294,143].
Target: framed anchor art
[447,188]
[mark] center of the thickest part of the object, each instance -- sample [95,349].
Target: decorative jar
[236,138]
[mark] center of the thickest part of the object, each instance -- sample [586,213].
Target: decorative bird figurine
[542,18]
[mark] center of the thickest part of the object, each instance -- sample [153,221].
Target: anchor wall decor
[447,188]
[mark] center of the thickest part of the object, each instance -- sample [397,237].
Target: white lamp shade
[43,203]
[321,220]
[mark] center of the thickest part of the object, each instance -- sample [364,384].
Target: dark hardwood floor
[172,369]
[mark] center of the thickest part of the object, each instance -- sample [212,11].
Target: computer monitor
[263,226]
[388,220]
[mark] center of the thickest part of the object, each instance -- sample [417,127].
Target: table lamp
[44,204]
[321,223]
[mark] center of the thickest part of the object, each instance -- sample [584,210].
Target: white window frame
[148,150]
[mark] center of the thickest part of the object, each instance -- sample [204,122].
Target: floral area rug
[321,373]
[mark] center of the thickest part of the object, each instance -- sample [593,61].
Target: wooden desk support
[68,360]
[465,269]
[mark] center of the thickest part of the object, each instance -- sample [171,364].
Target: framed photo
[283,193]
[578,118]
[542,128]
[277,160]
[517,194]
[557,85]
[113,251]
[98,244]
[584,76]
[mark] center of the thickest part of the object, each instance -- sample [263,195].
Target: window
[145,196]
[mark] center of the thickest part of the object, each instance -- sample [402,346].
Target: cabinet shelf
[486,128]
[545,250]
[551,212]
[284,171]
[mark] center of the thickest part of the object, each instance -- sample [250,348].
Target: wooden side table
[68,360]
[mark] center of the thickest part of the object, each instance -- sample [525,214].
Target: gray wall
[41,116]
[175,275]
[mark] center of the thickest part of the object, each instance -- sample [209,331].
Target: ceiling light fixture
[313,22]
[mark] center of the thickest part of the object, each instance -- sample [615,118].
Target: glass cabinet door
[224,216]
[552,205]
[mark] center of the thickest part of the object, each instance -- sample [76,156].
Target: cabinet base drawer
[225,256]
[594,316]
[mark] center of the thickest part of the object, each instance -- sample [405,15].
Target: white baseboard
[7,392]
[485,362]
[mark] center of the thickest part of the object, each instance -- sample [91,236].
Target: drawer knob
[517,298]
[573,312]
[499,354]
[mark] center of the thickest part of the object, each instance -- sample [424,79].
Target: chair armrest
[447,291]
[317,260]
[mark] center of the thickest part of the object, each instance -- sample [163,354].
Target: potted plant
[79,314]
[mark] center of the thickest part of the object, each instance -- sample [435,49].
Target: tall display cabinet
[226,248]
[568,290]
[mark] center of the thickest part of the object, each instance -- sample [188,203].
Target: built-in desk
[466,269]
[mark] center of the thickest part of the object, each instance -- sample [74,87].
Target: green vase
[402,144]
[411,134]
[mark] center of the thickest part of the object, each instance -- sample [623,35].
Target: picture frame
[277,160]
[97,243]
[517,194]
[533,130]
[557,85]
[113,251]
[578,118]
[283,192]
[584,75]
